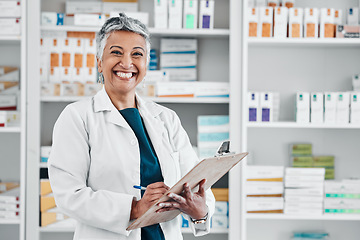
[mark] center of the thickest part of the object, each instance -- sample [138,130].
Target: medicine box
[265,21]
[182,74]
[10,26]
[352,16]
[264,204]
[302,107]
[317,108]
[281,22]
[178,45]
[82,19]
[122,6]
[356,82]
[301,149]
[261,3]
[269,105]
[221,208]
[273,3]
[347,31]
[45,153]
[175,14]
[311,23]
[73,7]
[264,173]
[253,15]
[254,107]
[52,18]
[219,221]
[221,194]
[327,20]
[190,14]
[212,89]
[330,107]
[3,119]
[161,14]
[50,89]
[262,188]
[206,16]
[178,60]
[288,3]
[8,102]
[10,9]
[296,16]
[338,17]
[355,108]
[302,161]
[343,108]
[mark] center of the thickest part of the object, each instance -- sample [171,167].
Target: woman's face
[124,62]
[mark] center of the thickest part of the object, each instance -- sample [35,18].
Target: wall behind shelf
[272,147]
[10,156]
[291,69]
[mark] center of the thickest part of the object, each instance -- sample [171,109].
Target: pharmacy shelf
[72,229]
[10,129]
[315,42]
[9,221]
[10,39]
[153,31]
[325,217]
[301,125]
[43,165]
[159,100]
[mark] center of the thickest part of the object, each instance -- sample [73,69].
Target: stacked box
[355,108]
[254,107]
[317,108]
[265,28]
[10,18]
[311,23]
[304,190]
[9,201]
[310,236]
[302,107]
[281,16]
[343,108]
[264,189]
[220,219]
[330,99]
[212,131]
[342,196]
[179,57]
[175,14]
[190,14]
[270,106]
[296,18]
[206,14]
[327,23]
[253,16]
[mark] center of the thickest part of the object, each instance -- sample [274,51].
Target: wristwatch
[201,220]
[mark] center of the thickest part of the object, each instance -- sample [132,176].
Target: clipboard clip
[223,149]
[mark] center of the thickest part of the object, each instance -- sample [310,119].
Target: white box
[343,108]
[264,188]
[8,102]
[71,89]
[13,76]
[327,21]
[157,76]
[66,73]
[73,7]
[10,9]
[177,60]
[264,172]
[182,74]
[79,75]
[355,108]
[175,14]
[10,26]
[206,16]
[270,106]
[281,16]
[311,23]
[337,187]
[302,107]
[295,171]
[306,178]
[261,3]
[341,203]
[251,3]
[175,89]
[219,222]
[108,7]
[3,119]
[303,211]
[296,17]
[90,89]
[264,203]
[273,3]
[55,75]
[50,89]
[161,14]
[356,82]
[352,16]
[315,192]
[190,14]
[141,16]
[254,107]
[52,18]
[304,199]
[82,19]
[314,205]
[221,208]
[265,22]
[317,108]
[330,107]
[90,75]
[338,17]
[45,153]
[212,89]
[253,16]
[178,45]
[309,184]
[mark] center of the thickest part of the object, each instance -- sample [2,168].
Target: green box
[301,149]
[302,161]
[329,173]
[324,161]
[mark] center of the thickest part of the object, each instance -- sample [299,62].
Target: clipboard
[212,169]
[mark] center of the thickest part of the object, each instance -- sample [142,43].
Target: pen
[139,187]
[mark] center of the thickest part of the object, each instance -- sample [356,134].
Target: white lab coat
[95,161]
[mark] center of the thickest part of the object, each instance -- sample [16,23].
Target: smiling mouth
[125,75]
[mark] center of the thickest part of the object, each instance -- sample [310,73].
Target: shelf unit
[287,66]
[13,138]
[46,109]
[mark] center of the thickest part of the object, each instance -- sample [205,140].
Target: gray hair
[121,23]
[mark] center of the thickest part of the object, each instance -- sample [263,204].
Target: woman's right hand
[152,193]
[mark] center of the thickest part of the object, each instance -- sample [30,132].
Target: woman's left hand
[192,204]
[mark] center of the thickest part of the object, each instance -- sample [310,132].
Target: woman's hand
[192,204]
[152,193]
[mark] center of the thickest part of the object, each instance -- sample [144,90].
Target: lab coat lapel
[102,103]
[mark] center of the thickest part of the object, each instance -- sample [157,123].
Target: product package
[327,20]
[190,14]
[161,14]
[330,107]
[253,15]
[175,14]
[302,107]
[296,16]
[266,22]
[317,108]
[281,22]
[206,16]
[355,108]
[311,23]
[352,16]
[343,108]
[254,107]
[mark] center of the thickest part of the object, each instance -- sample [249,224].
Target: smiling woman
[105,145]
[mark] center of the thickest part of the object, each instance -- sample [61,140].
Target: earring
[143,86]
[101,78]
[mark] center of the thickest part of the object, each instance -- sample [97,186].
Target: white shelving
[153,31]
[326,217]
[159,99]
[10,221]
[301,125]
[318,42]
[10,130]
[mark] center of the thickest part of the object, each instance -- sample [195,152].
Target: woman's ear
[99,65]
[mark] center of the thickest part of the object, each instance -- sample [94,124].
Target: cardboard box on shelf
[296,16]
[10,9]
[206,15]
[327,23]
[311,23]
[161,14]
[190,17]
[253,14]
[175,14]
[10,26]
[265,22]
[281,22]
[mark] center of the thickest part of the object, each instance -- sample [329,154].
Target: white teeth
[124,75]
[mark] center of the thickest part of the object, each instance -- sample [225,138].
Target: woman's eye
[116,52]
[137,54]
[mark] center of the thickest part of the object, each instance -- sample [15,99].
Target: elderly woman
[105,145]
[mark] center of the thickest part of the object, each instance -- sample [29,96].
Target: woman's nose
[126,62]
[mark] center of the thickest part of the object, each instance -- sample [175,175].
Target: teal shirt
[150,171]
